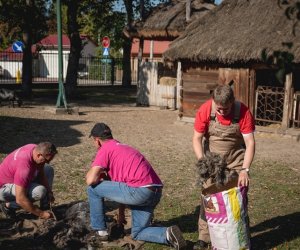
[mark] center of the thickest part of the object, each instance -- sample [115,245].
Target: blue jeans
[35,191]
[141,201]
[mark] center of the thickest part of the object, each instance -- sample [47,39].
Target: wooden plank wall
[241,83]
[150,93]
[197,85]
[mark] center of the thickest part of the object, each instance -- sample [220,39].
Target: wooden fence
[152,91]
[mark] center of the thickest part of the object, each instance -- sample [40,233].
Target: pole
[61,98]
[105,66]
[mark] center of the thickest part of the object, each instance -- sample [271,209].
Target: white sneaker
[102,233]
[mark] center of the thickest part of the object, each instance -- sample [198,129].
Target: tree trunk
[126,78]
[27,55]
[75,50]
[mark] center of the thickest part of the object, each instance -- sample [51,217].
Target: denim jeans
[35,191]
[141,201]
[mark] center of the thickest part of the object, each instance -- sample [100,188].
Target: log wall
[198,84]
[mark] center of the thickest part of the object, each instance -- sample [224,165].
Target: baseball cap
[101,130]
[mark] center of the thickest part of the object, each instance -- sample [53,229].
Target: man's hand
[244,178]
[46,215]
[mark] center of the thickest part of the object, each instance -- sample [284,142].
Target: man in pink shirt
[226,127]
[133,183]
[26,177]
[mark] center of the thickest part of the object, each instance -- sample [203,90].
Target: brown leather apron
[227,141]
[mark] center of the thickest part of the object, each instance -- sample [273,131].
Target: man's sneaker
[175,238]
[9,213]
[200,245]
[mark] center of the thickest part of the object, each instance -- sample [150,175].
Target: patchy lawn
[274,204]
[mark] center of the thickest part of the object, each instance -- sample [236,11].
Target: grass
[274,195]
[274,209]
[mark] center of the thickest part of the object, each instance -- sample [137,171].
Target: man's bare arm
[197,144]
[249,155]
[93,175]
[27,205]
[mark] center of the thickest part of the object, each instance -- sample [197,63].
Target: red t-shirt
[125,164]
[18,167]
[246,122]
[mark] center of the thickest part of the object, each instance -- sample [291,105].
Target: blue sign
[17,47]
[106,51]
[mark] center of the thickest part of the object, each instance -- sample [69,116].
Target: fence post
[287,105]
[112,71]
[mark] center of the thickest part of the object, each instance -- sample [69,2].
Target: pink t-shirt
[18,167]
[125,164]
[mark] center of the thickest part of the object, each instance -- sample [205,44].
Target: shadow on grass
[187,223]
[16,132]
[268,234]
[87,96]
[276,231]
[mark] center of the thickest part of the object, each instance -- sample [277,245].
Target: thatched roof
[167,21]
[237,31]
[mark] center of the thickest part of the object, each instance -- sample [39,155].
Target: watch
[246,169]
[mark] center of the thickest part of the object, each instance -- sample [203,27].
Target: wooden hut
[165,23]
[168,20]
[242,41]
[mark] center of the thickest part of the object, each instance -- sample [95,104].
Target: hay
[168,81]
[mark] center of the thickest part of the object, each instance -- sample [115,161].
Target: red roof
[159,47]
[51,41]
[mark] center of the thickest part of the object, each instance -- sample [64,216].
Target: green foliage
[98,20]
[17,16]
[282,59]
[292,11]
[98,68]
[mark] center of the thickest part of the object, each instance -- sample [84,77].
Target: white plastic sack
[227,217]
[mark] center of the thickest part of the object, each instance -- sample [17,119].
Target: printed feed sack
[227,217]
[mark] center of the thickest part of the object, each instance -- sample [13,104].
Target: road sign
[105,42]
[106,51]
[17,47]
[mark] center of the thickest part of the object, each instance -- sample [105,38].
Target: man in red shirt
[226,127]
[25,177]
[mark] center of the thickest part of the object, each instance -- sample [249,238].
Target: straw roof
[167,21]
[237,31]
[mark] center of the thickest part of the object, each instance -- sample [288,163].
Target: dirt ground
[148,129]
[158,134]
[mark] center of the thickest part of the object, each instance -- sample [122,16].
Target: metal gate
[93,71]
[269,105]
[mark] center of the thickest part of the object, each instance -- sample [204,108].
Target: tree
[75,48]
[134,9]
[76,9]
[284,59]
[127,43]
[27,20]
